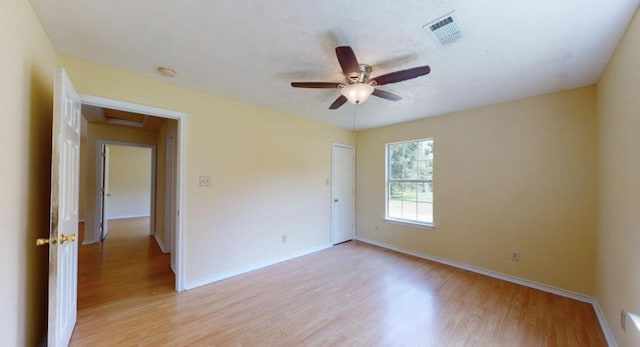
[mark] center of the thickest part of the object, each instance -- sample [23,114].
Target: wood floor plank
[353,294]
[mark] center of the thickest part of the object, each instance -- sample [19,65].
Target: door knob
[335,200]
[70,238]
[42,242]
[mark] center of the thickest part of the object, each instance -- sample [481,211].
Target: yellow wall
[95,133]
[28,60]
[515,176]
[268,172]
[129,182]
[618,282]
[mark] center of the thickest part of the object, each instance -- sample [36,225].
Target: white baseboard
[224,275]
[527,283]
[162,247]
[608,334]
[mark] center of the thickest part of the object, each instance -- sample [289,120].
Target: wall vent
[445,30]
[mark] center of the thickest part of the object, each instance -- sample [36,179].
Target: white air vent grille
[445,30]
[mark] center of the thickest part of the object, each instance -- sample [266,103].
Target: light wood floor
[353,294]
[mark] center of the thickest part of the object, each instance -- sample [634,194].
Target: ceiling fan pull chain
[355,113]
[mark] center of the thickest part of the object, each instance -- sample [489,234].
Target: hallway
[128,266]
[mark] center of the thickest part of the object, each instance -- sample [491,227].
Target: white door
[63,250]
[103,224]
[343,194]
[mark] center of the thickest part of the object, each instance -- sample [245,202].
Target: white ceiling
[251,50]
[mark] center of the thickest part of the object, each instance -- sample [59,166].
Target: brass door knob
[70,238]
[41,242]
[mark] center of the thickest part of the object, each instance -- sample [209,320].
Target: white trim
[608,334]
[181,186]
[160,244]
[521,281]
[225,275]
[407,223]
[129,107]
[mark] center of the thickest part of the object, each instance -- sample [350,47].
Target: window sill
[428,226]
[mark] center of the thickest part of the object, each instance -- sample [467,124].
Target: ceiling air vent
[445,30]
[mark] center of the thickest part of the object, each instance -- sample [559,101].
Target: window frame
[388,181]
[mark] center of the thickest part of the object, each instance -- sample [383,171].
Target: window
[410,182]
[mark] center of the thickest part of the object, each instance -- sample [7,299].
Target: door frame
[335,145]
[100,178]
[169,191]
[180,178]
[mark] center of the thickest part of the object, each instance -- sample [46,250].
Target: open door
[63,248]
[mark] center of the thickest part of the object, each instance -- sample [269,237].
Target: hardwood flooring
[353,294]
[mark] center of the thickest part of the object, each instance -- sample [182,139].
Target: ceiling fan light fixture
[357,93]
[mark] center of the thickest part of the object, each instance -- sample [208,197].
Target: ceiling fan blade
[339,102]
[386,95]
[402,75]
[347,60]
[315,84]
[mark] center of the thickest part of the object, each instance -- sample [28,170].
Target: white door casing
[342,193]
[169,220]
[180,186]
[103,209]
[63,249]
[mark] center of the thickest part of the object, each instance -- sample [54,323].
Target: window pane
[424,171]
[395,200]
[396,171]
[410,156]
[425,212]
[409,210]
[425,192]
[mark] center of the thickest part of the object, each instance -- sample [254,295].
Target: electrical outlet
[284,238]
[623,320]
[515,256]
[204,181]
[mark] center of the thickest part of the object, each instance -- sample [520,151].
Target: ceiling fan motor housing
[362,76]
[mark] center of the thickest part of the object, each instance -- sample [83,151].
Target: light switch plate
[204,181]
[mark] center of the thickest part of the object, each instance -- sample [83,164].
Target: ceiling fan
[358,86]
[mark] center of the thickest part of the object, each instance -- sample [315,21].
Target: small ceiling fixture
[167,71]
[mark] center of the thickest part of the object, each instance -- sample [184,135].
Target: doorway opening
[115,130]
[127,181]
